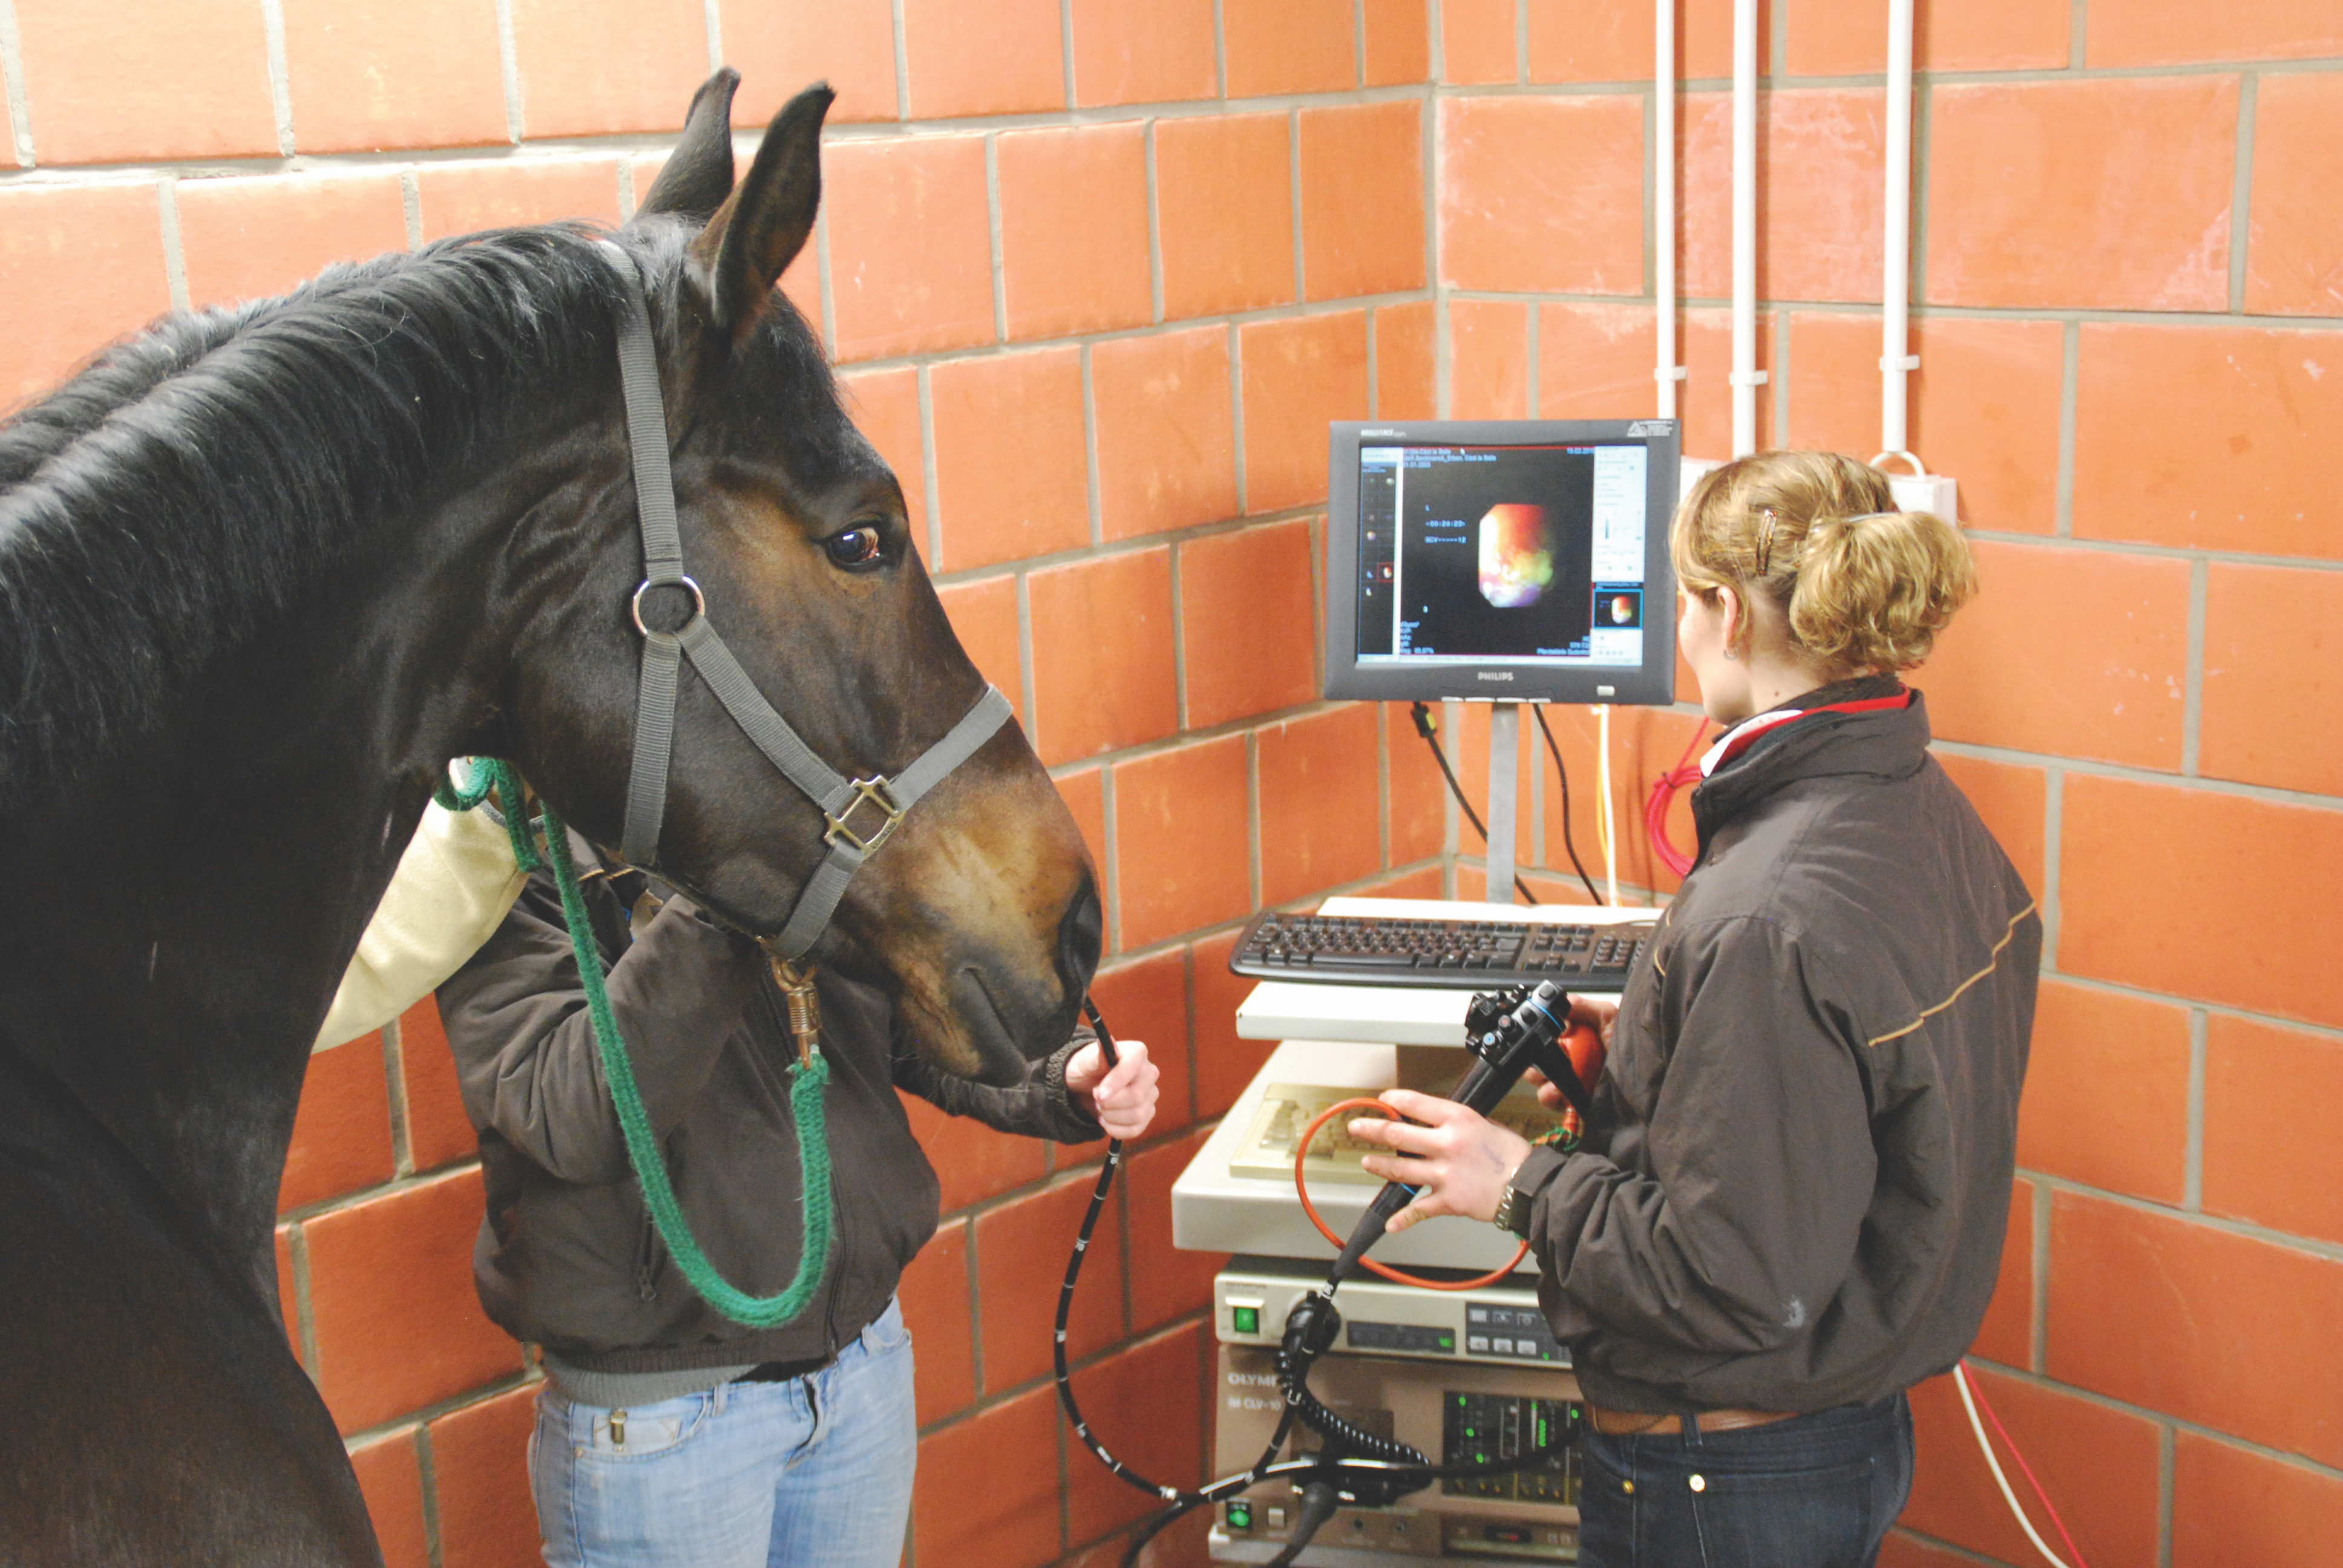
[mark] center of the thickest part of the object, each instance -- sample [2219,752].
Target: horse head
[979,910]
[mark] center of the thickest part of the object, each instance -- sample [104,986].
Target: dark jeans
[1814,1492]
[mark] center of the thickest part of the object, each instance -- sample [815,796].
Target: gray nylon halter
[862,813]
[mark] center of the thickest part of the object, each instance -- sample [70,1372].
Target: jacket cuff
[1530,1178]
[1062,1098]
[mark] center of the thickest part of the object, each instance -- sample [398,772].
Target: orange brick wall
[1098,272]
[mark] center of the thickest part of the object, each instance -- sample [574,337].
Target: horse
[264,571]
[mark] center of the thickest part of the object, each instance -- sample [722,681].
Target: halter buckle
[874,793]
[698,602]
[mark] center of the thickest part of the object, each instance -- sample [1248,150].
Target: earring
[1730,654]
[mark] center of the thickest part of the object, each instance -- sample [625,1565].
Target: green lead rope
[642,1144]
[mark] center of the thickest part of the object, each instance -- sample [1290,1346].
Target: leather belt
[1635,1422]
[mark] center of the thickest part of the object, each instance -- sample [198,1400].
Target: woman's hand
[1123,1101]
[1459,1159]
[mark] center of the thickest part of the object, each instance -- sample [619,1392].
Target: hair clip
[1765,541]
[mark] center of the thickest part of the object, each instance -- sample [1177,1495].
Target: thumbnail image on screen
[1488,552]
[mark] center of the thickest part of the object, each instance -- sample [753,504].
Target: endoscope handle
[1479,1092]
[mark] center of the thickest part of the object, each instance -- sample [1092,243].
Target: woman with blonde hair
[1790,1203]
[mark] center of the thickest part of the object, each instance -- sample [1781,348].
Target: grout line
[1066,49]
[2166,1443]
[411,201]
[12,67]
[1177,565]
[280,80]
[627,203]
[1531,393]
[2267,794]
[1154,231]
[2192,697]
[1359,43]
[1778,382]
[828,279]
[2159,552]
[1522,46]
[297,1248]
[1374,365]
[2192,1186]
[1220,56]
[1000,256]
[1924,103]
[174,258]
[2079,35]
[1110,874]
[927,479]
[2211,1010]
[2242,191]
[509,60]
[1958,1552]
[1293,180]
[1236,411]
[2054,817]
[2039,1349]
[902,63]
[393,1069]
[713,15]
[1253,813]
[2144,1412]
[2070,380]
[1025,649]
[975,1305]
[2242,1230]
[426,1466]
[1091,478]
[1382,784]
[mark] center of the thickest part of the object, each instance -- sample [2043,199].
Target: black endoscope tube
[1182,1500]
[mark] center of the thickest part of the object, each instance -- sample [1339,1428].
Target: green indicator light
[1448,1342]
[1247,1319]
[1239,1515]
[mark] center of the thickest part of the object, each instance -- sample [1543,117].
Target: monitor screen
[1508,561]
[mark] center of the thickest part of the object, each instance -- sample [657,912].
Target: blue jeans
[814,1470]
[1814,1492]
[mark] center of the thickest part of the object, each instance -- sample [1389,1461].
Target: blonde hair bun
[1875,589]
[1860,584]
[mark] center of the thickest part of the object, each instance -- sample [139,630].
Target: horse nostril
[1080,932]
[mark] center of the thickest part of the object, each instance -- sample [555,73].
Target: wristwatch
[1522,1188]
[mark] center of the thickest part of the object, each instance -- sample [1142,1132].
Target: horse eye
[853,546]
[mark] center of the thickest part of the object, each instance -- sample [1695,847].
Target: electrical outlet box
[1926,493]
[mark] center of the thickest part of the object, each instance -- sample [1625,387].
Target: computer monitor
[1513,560]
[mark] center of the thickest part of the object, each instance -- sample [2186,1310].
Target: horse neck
[181,915]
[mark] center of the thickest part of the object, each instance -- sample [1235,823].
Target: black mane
[195,478]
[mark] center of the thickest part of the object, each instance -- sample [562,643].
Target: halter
[861,813]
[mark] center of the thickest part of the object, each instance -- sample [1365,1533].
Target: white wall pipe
[1746,377]
[1668,371]
[1895,356]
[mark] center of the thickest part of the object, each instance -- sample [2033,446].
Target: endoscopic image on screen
[1495,551]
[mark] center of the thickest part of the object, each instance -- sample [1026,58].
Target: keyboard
[1266,1150]
[1464,955]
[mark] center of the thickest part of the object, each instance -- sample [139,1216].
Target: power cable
[1429,727]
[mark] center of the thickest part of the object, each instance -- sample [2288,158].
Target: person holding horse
[666,1434]
[1790,1205]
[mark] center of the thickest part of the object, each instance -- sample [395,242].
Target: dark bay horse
[262,572]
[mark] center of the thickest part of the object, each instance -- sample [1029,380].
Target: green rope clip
[806,1107]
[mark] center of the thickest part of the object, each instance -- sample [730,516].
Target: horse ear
[699,174]
[764,223]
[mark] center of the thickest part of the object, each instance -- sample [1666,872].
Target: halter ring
[698,603]
[872,792]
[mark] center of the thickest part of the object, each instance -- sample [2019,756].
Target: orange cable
[1397,1276]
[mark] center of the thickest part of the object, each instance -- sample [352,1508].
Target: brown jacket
[1798,1177]
[567,1257]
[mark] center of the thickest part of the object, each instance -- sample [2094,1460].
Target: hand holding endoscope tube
[1457,1158]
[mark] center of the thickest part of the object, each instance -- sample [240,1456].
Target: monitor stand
[1505,783]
